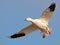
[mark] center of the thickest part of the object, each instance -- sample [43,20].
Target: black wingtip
[52,7]
[17,35]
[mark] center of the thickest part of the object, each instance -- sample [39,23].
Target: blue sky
[13,14]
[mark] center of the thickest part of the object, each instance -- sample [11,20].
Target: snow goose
[41,23]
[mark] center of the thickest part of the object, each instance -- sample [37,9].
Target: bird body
[40,24]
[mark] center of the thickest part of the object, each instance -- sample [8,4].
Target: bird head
[28,19]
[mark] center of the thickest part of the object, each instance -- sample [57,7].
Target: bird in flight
[40,23]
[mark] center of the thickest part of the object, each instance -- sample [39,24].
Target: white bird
[41,23]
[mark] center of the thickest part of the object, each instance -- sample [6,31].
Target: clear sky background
[13,14]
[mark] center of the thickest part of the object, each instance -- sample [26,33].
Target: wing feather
[24,31]
[46,15]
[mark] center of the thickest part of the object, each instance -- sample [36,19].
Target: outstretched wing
[24,31]
[46,15]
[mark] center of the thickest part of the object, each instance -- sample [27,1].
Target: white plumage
[41,23]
